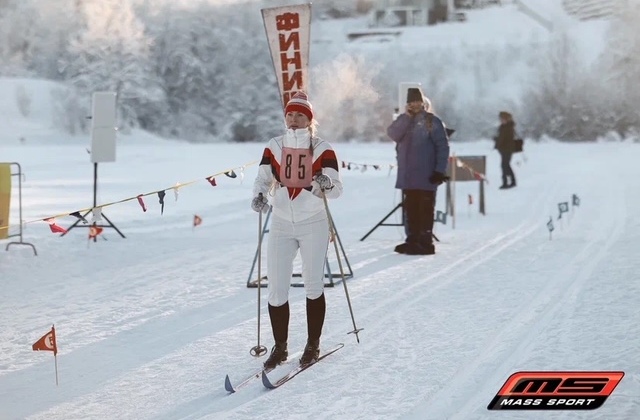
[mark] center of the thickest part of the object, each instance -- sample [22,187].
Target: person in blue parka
[422,147]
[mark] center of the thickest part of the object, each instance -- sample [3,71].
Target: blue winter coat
[420,153]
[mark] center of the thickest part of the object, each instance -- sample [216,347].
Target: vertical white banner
[103,127]
[288,31]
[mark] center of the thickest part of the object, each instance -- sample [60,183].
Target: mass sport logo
[555,390]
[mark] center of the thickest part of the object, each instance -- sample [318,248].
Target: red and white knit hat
[299,103]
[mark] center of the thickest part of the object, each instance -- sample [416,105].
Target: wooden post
[453,191]
[481,199]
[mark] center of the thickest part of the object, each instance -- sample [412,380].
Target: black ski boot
[311,352]
[278,355]
[316,309]
[402,248]
[279,316]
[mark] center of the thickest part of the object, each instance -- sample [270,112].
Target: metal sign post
[103,149]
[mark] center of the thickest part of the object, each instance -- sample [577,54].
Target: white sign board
[103,127]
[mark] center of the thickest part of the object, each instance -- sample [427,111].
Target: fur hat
[504,114]
[415,95]
[299,103]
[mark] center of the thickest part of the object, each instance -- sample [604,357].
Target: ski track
[515,339]
[472,256]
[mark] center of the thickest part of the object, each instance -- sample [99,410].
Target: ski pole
[259,350]
[334,235]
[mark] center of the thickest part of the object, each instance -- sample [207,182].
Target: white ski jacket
[296,204]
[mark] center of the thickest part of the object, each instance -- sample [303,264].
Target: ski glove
[438,178]
[324,182]
[259,204]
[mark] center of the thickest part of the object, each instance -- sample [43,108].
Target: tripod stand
[327,275]
[95,204]
[382,223]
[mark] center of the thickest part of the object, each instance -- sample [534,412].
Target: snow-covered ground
[148,326]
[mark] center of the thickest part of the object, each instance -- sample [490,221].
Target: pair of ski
[262,373]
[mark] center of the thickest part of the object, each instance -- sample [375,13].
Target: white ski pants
[311,236]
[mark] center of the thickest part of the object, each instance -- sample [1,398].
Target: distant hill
[36,111]
[28,110]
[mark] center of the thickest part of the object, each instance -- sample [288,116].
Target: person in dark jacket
[422,147]
[505,144]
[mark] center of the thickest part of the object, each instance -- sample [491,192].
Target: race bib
[295,167]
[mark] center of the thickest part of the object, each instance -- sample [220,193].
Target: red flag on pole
[47,342]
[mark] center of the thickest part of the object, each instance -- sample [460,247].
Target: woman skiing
[296,169]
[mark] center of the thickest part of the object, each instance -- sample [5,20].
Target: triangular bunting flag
[79,216]
[161,195]
[175,190]
[54,227]
[197,220]
[97,214]
[141,202]
[231,174]
[212,181]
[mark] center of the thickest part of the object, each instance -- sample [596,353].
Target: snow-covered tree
[111,53]
[34,35]
[215,74]
[564,101]
[621,66]
[17,37]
